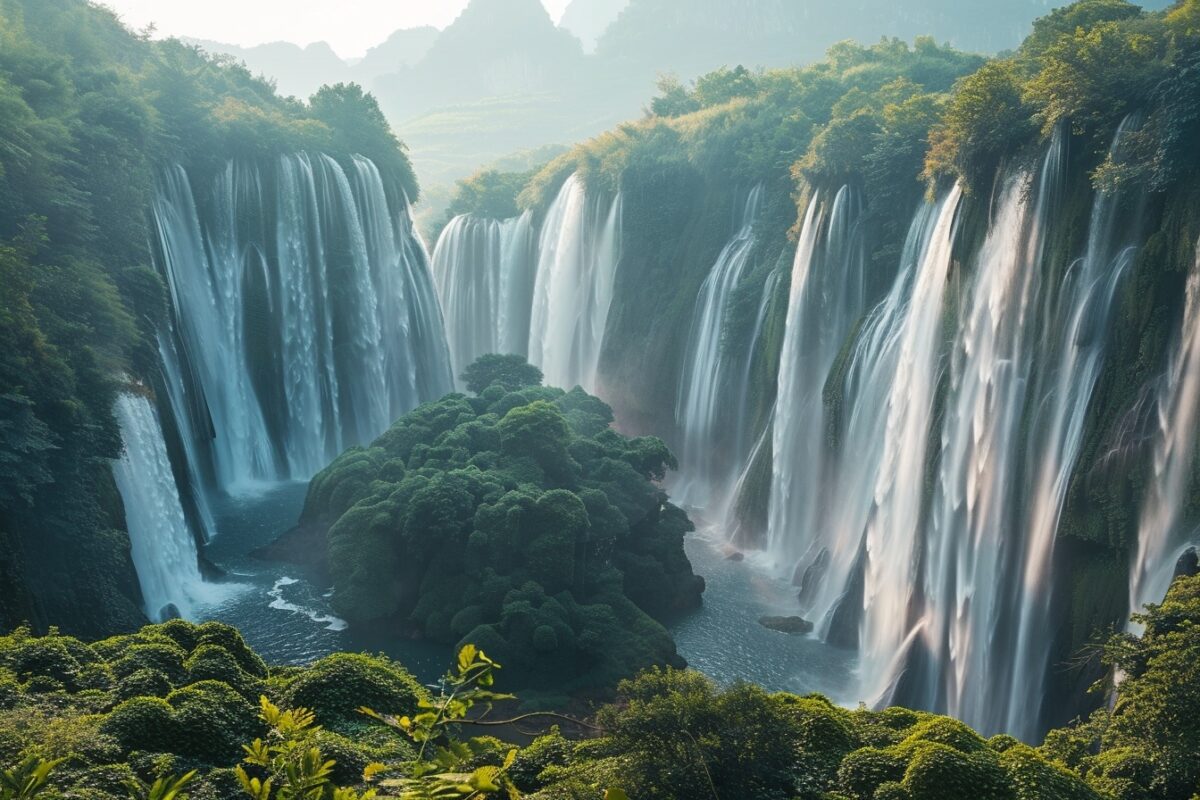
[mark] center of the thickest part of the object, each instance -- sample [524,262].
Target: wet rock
[736,555]
[1188,564]
[790,625]
[169,611]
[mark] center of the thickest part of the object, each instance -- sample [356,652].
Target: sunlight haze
[349,26]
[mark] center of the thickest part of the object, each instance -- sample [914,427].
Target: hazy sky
[351,26]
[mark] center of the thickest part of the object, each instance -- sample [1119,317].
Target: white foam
[330,622]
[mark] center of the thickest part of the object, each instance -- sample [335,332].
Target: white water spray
[579,248]
[484,270]
[163,548]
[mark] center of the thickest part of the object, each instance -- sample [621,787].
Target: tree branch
[531,715]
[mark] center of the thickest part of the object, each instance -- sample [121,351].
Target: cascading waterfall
[305,313]
[416,359]
[1161,538]
[832,572]
[1074,346]
[826,299]
[892,543]
[970,586]
[183,412]
[206,290]
[946,590]
[163,548]
[578,252]
[704,389]
[484,270]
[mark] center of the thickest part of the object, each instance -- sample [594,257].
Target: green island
[515,519]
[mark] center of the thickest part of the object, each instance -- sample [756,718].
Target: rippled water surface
[724,640]
[289,620]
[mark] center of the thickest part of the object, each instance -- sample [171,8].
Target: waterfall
[1072,352]
[707,375]
[970,584]
[484,270]
[305,318]
[1161,539]
[918,480]
[183,412]
[825,301]
[858,396]
[578,253]
[204,277]
[163,548]
[892,543]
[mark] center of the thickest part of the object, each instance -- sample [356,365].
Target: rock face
[789,625]
[1188,564]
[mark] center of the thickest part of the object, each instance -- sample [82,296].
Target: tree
[510,372]
[673,98]
[986,120]
[1158,703]
[359,127]
[724,85]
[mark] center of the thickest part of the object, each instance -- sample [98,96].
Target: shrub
[864,771]
[545,751]
[211,722]
[162,656]
[180,631]
[940,772]
[141,723]
[53,657]
[947,731]
[10,691]
[146,682]
[213,662]
[230,638]
[1034,778]
[338,685]
[891,791]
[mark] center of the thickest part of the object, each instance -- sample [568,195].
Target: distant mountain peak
[512,10]
[588,19]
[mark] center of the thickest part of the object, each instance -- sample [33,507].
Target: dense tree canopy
[515,519]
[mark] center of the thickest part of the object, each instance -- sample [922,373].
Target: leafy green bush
[147,682]
[213,662]
[141,723]
[162,656]
[211,722]
[864,771]
[338,685]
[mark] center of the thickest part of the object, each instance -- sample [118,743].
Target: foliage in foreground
[670,735]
